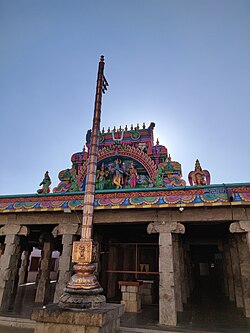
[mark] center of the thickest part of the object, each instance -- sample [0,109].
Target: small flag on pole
[104,84]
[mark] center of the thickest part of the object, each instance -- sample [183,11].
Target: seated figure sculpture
[199,177]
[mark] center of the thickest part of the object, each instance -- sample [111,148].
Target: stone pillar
[177,275]
[23,271]
[68,232]
[186,271]
[9,262]
[242,230]
[225,278]
[236,272]
[43,285]
[190,279]
[182,285]
[230,279]
[112,277]
[167,288]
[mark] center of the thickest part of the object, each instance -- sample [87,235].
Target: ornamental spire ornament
[83,290]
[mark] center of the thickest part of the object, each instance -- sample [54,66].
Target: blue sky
[183,64]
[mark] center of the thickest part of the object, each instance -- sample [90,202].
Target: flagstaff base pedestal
[54,319]
[82,299]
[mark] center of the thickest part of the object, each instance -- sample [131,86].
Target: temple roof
[191,196]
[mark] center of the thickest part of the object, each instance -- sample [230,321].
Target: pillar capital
[240,226]
[66,229]
[166,227]
[14,229]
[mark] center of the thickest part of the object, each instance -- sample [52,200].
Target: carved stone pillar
[9,262]
[242,231]
[68,232]
[167,288]
[43,284]
[23,271]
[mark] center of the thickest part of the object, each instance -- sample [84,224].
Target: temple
[161,238]
[151,238]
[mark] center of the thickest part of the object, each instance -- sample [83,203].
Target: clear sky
[183,64]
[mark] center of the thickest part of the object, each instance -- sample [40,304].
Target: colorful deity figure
[102,174]
[74,186]
[199,177]
[118,177]
[45,183]
[133,176]
[159,177]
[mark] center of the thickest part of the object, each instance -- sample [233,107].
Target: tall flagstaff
[83,290]
[87,225]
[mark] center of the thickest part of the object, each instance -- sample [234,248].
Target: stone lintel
[91,317]
[240,226]
[166,227]
[14,229]
[66,229]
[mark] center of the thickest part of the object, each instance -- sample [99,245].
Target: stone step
[18,322]
[161,330]
[143,330]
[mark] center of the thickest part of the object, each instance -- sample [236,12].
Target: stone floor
[207,311]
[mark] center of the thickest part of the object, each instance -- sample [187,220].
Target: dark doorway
[206,261]
[208,307]
[128,253]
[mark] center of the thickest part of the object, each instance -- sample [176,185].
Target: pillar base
[54,319]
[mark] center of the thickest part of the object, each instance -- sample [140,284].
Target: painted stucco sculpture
[127,159]
[199,177]
[45,183]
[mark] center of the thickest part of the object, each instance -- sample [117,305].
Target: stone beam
[200,214]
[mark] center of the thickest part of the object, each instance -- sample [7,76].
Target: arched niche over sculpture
[124,162]
[121,172]
[134,168]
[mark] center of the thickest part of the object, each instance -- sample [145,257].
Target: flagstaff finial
[102,58]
